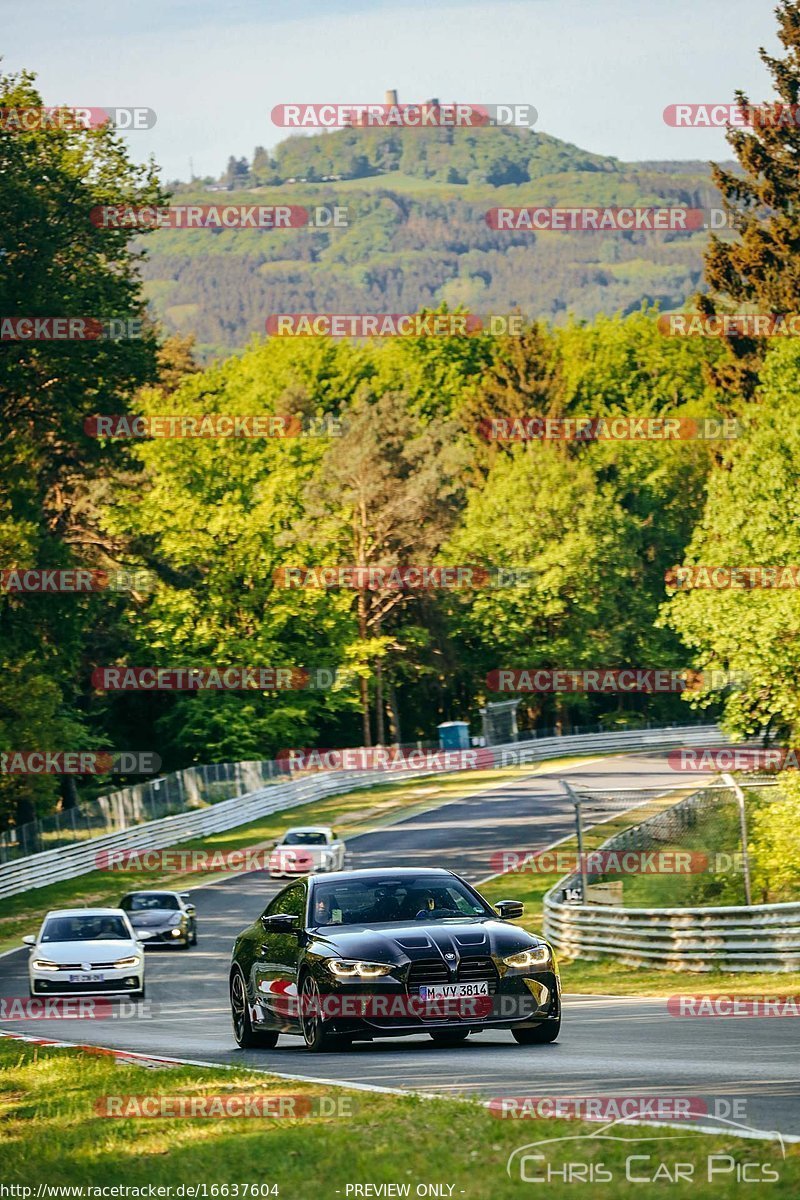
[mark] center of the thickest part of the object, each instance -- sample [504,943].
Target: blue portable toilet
[454,735]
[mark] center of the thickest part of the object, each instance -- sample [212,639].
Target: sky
[599,72]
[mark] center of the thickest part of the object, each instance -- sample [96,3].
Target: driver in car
[327,911]
[431,910]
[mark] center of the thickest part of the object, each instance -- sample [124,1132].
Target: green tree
[548,515]
[752,518]
[385,496]
[760,266]
[54,262]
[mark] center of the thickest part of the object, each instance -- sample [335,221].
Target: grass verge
[51,1133]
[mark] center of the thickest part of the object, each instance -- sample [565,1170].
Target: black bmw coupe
[357,955]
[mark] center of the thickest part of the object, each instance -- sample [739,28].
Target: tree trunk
[380,730]
[380,733]
[395,735]
[363,683]
[69,792]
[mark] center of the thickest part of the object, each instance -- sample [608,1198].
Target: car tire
[194,935]
[140,995]
[315,1035]
[538,1035]
[243,1031]
[449,1037]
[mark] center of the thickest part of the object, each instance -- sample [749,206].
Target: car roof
[308,829]
[85,912]
[381,872]
[153,892]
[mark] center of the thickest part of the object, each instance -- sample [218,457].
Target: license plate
[453,991]
[84,977]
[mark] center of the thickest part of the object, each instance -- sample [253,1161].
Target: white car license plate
[86,977]
[451,991]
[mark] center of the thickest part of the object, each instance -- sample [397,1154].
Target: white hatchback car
[92,951]
[306,849]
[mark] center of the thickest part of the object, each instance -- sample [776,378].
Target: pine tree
[760,268]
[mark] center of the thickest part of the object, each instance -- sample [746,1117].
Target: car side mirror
[191,910]
[508,909]
[29,939]
[280,923]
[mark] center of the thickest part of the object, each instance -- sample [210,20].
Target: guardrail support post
[739,794]
[576,800]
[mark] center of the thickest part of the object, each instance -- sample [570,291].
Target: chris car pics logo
[659,1157]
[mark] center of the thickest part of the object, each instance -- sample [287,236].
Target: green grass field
[52,1132]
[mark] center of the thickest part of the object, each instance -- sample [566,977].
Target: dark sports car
[162,918]
[356,955]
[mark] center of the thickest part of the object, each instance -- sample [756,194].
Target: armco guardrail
[53,866]
[762,937]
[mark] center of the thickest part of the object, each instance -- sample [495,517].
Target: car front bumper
[114,982]
[163,937]
[387,1009]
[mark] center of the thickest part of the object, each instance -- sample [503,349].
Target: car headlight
[358,970]
[44,964]
[535,956]
[121,963]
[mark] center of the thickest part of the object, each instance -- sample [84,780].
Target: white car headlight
[122,963]
[44,964]
[535,956]
[343,969]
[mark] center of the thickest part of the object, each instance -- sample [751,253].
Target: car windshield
[88,928]
[145,901]
[305,837]
[376,900]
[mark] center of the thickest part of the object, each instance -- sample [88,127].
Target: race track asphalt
[745,1069]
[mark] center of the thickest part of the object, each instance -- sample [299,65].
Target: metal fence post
[576,800]
[739,794]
